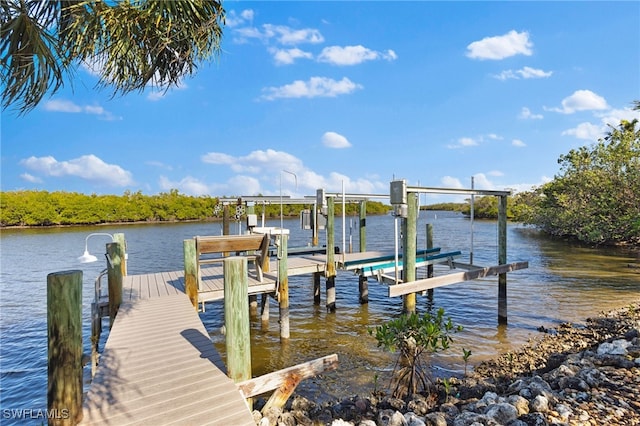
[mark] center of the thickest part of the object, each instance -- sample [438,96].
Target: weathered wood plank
[443,280]
[268,382]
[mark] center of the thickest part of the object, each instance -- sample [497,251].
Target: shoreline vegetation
[569,375]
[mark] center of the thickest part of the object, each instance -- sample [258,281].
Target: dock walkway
[159,365]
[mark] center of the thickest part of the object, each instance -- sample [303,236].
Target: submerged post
[191,271]
[64,329]
[409,250]
[430,267]
[115,274]
[330,272]
[502,259]
[283,287]
[236,318]
[363,284]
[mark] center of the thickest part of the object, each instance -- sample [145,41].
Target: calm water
[564,282]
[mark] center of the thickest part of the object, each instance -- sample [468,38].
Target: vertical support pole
[191,271]
[225,219]
[430,267]
[119,238]
[330,271]
[316,288]
[283,287]
[314,238]
[236,318]
[64,327]
[409,239]
[115,276]
[502,259]
[264,308]
[363,284]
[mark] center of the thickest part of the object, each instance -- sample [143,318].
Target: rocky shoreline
[570,375]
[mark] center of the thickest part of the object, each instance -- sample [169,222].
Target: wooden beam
[271,381]
[442,280]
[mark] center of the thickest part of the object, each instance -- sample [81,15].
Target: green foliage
[453,207]
[596,198]
[42,208]
[130,44]
[413,335]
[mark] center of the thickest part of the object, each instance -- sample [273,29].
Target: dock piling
[330,272]
[409,249]
[236,318]
[283,287]
[115,274]
[502,259]
[191,271]
[363,284]
[64,329]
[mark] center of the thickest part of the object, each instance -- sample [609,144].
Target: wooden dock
[159,365]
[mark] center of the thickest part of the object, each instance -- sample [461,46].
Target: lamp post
[88,257]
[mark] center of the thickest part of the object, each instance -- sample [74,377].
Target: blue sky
[353,93]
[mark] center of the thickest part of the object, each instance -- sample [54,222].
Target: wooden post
[119,238]
[330,272]
[264,309]
[236,318]
[191,271]
[409,250]
[430,267]
[225,220]
[314,238]
[363,285]
[64,326]
[316,288]
[115,274]
[502,259]
[283,287]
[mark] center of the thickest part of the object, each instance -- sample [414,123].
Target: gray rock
[287,419]
[367,422]
[617,347]
[539,404]
[340,422]
[390,417]
[534,419]
[449,409]
[521,404]
[435,419]
[469,419]
[413,419]
[502,413]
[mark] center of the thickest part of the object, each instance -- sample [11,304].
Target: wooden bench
[254,246]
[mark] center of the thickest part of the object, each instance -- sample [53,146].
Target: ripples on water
[564,282]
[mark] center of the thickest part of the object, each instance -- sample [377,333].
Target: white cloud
[288,56]
[495,173]
[586,131]
[63,105]
[268,166]
[500,47]
[526,114]
[281,34]
[353,55]
[451,182]
[526,73]
[234,19]
[335,140]
[581,100]
[314,87]
[614,116]
[463,142]
[30,178]
[188,185]
[87,167]
[518,143]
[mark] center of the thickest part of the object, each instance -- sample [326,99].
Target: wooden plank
[268,382]
[443,280]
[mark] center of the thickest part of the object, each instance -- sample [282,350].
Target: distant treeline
[42,208]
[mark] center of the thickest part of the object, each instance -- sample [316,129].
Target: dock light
[398,197]
[88,257]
